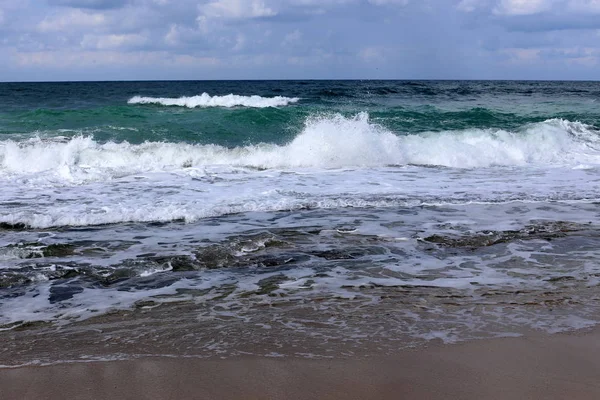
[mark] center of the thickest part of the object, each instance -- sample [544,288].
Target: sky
[42,40]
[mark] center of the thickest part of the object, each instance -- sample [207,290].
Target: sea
[293,218]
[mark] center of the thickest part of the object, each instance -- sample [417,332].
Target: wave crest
[325,142]
[205,100]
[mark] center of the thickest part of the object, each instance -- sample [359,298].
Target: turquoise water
[405,107]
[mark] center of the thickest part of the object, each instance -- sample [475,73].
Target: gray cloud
[191,39]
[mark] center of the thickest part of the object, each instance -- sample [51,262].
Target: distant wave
[205,100]
[329,141]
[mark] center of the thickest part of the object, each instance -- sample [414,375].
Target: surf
[205,100]
[326,141]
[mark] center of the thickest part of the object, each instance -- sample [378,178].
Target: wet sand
[550,367]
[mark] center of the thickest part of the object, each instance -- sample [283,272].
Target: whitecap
[206,100]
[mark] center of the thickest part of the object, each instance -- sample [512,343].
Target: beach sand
[561,366]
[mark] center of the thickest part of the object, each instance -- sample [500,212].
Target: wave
[337,141]
[327,141]
[131,209]
[184,212]
[205,100]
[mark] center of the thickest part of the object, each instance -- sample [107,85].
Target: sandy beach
[550,367]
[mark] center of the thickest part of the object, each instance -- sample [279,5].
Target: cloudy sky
[287,39]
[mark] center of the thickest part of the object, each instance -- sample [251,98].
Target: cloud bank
[299,39]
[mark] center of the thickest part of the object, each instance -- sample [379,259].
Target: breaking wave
[332,141]
[205,100]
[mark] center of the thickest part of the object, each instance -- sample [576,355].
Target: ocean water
[309,218]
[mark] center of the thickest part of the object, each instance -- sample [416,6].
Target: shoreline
[530,367]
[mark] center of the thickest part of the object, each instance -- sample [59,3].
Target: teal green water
[101,109]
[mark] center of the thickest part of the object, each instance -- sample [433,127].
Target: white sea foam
[335,162]
[325,142]
[205,100]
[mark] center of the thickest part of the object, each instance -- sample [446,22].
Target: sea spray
[326,141]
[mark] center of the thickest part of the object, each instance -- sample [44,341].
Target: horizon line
[301,80]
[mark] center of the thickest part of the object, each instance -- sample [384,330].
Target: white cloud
[71,19]
[107,42]
[468,5]
[173,36]
[98,4]
[236,9]
[522,7]
[240,42]
[281,36]
[61,59]
[292,38]
[522,56]
[528,7]
[373,54]
[182,35]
